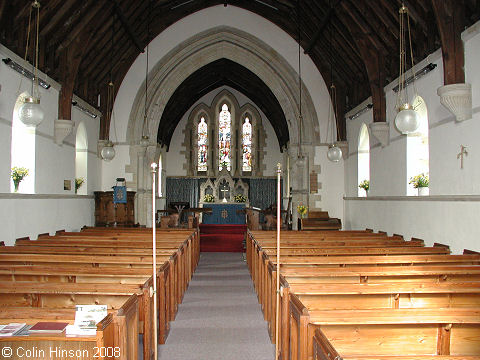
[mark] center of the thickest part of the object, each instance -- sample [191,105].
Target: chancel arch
[232,47]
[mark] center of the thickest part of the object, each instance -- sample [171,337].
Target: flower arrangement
[78,183]
[365,185]
[302,210]
[18,173]
[240,198]
[419,181]
[208,198]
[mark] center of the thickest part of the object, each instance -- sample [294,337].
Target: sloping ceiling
[360,37]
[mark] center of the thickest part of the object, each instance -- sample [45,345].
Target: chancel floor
[220,318]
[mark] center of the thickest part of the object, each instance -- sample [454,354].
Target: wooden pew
[50,295]
[116,335]
[75,259]
[324,350]
[386,331]
[80,275]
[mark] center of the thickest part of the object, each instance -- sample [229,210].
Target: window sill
[471,198]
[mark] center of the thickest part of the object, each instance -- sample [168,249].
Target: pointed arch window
[202,143]
[247,145]
[363,158]
[224,139]
[81,157]
[417,146]
[23,149]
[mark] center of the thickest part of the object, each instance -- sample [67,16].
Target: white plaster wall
[111,170]
[453,223]
[29,215]
[175,158]
[32,215]
[434,220]
[206,19]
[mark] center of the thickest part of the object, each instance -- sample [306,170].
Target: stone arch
[196,52]
[235,45]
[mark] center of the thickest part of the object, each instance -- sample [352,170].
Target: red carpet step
[222,238]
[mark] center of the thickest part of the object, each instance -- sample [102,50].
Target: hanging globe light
[31,113]
[407,120]
[334,153]
[108,152]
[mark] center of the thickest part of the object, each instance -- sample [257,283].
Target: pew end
[470,252]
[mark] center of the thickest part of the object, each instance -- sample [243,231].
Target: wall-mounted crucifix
[463,152]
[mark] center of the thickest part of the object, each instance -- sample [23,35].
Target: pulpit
[108,213]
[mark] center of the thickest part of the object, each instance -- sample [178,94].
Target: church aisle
[220,318]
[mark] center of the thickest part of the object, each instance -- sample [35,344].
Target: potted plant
[208,198]
[240,198]
[365,185]
[18,173]
[420,182]
[78,183]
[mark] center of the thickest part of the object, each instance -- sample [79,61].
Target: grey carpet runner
[220,318]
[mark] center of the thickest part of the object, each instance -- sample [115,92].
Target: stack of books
[14,329]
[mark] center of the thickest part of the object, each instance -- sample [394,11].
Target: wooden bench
[50,295]
[117,333]
[443,331]
[323,350]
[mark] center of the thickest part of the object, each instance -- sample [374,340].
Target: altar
[222,214]
[227,198]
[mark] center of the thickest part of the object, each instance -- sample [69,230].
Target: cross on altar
[224,197]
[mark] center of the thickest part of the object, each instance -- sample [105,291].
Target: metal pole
[279,222]
[154,251]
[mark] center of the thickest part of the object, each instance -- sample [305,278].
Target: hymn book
[86,319]
[48,327]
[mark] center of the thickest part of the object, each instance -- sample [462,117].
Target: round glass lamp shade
[407,120]
[334,153]
[108,152]
[31,113]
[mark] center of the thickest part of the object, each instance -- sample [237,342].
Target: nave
[220,317]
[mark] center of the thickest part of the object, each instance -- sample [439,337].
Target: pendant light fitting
[31,113]
[406,120]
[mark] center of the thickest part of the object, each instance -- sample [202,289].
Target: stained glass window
[247,145]
[224,139]
[202,145]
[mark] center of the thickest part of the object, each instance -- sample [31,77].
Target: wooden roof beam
[363,27]
[375,64]
[322,27]
[126,25]
[450,15]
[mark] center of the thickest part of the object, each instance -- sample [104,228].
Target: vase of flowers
[365,185]
[302,211]
[208,198]
[18,173]
[240,198]
[78,183]
[420,182]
